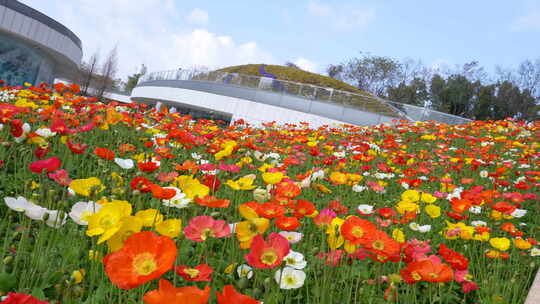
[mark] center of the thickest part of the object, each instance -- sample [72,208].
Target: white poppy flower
[365,209]
[35,212]
[55,218]
[319,174]
[178,201]
[292,236]
[19,204]
[535,251]
[414,226]
[475,209]
[45,132]
[478,223]
[358,188]
[424,228]
[244,271]
[124,163]
[295,260]
[519,213]
[290,278]
[81,211]
[483,174]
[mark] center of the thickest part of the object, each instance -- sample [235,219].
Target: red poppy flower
[21,298]
[199,273]
[49,165]
[338,207]
[231,296]
[147,166]
[141,183]
[104,153]
[167,293]
[211,181]
[16,128]
[268,254]
[76,148]
[145,256]
[455,259]
[504,207]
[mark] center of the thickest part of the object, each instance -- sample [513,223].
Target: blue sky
[166,34]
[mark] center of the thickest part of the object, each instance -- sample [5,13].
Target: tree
[134,79]
[415,93]
[108,72]
[372,73]
[89,71]
[335,71]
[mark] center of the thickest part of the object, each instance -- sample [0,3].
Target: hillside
[364,100]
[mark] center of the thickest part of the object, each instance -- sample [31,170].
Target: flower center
[207,232]
[269,257]
[357,232]
[416,276]
[290,280]
[192,272]
[144,264]
[378,244]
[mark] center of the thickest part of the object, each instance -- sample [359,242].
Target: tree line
[465,90]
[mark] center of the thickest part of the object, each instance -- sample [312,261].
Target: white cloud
[306,65]
[148,32]
[529,21]
[198,17]
[342,17]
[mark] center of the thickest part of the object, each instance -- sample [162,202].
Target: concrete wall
[250,111]
[42,32]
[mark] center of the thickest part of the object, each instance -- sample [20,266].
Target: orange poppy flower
[104,153]
[231,296]
[271,210]
[167,293]
[289,190]
[356,230]
[212,202]
[460,205]
[383,246]
[162,193]
[145,256]
[427,270]
[287,223]
[303,208]
[188,165]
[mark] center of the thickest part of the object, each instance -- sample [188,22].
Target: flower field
[121,203]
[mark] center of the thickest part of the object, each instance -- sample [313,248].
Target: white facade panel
[7,19]
[17,23]
[250,111]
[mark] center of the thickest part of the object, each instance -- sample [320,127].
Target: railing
[364,102]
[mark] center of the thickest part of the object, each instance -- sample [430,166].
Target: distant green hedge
[292,74]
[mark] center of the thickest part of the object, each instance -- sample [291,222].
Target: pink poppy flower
[202,227]
[61,177]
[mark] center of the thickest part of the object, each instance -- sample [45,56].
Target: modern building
[35,48]
[259,99]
